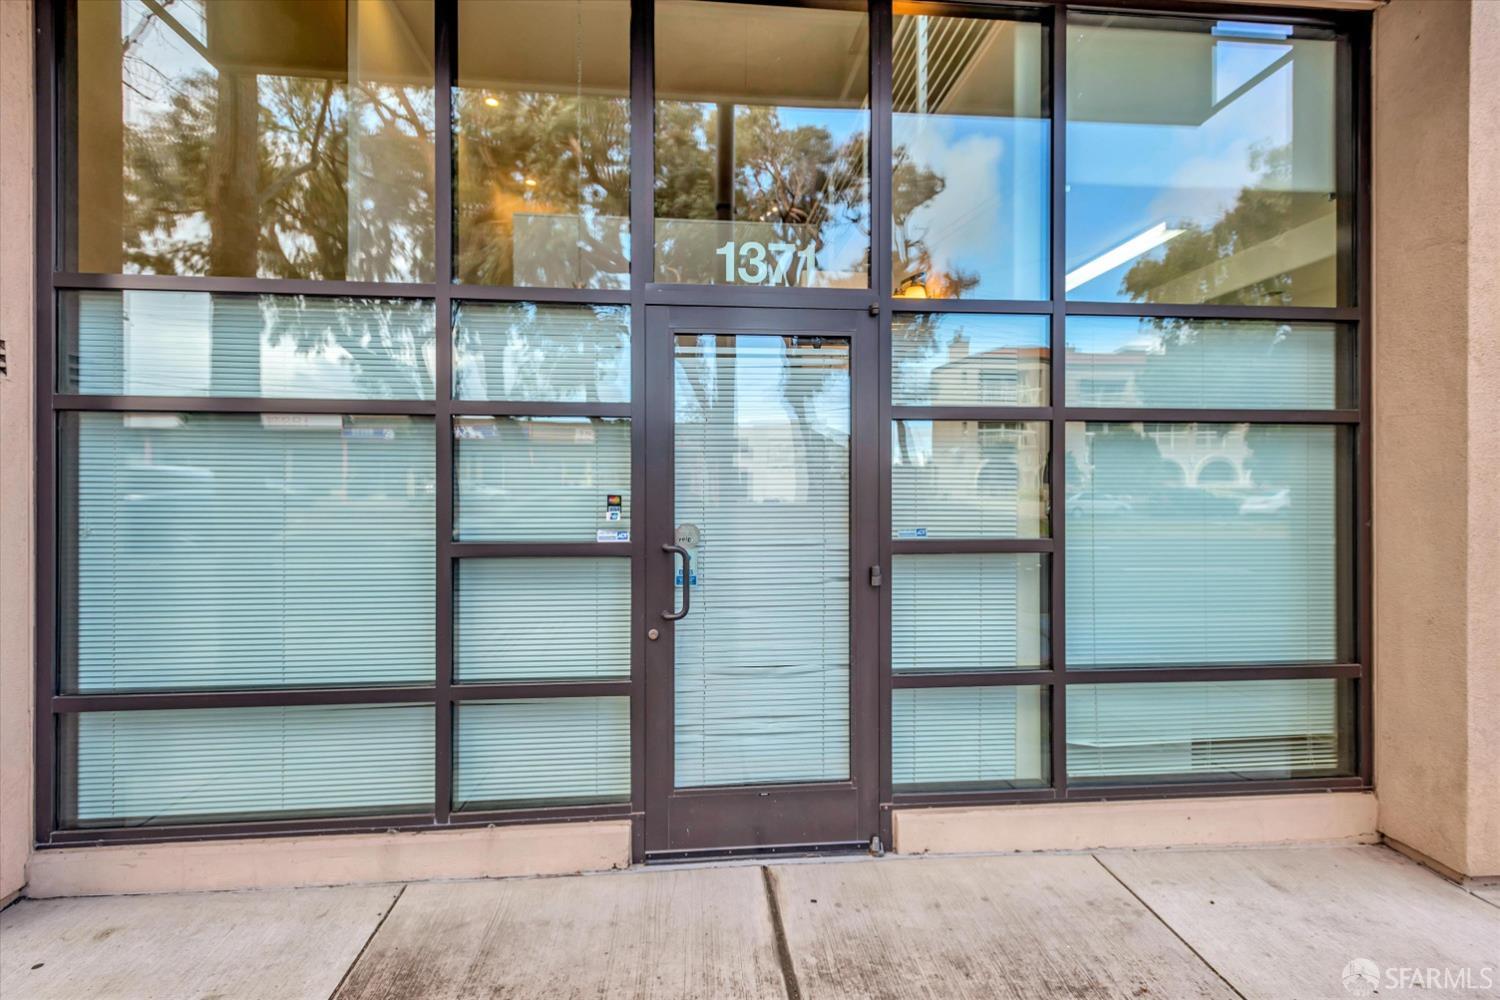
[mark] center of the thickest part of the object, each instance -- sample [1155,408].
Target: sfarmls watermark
[1363,978]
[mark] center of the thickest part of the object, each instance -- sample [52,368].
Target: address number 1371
[756,263]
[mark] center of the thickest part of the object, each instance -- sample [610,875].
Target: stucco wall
[1436,411]
[16,250]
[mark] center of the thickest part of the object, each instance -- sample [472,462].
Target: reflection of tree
[550,154]
[250,174]
[1261,213]
[912,186]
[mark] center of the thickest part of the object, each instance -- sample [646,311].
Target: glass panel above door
[970,136]
[762,506]
[762,144]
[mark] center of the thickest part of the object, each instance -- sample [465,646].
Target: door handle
[687,583]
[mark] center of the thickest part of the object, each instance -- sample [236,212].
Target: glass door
[760,549]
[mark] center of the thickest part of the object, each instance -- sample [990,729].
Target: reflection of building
[1004,376]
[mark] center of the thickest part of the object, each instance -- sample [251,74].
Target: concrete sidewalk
[1270,922]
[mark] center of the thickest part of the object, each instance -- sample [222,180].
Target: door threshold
[776,852]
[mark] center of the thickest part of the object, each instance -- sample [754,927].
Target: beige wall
[1437,410]
[16,251]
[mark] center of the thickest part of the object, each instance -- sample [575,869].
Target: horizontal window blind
[547,618]
[762,489]
[146,343]
[143,767]
[1253,729]
[968,612]
[954,359]
[968,479]
[542,751]
[220,551]
[542,479]
[1118,361]
[1204,544]
[968,738]
[543,353]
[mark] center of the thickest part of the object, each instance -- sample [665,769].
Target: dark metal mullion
[521,408]
[243,404]
[509,690]
[945,546]
[988,414]
[1207,311]
[1014,307]
[444,73]
[642,266]
[306,826]
[1104,792]
[529,293]
[214,284]
[44,360]
[1361,80]
[973,679]
[882,110]
[65,704]
[1057,570]
[512,550]
[1162,415]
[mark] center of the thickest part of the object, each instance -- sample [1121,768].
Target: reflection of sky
[845,240]
[1123,178]
[763,391]
[990,219]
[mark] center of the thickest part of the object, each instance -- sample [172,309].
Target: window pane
[953,359]
[196,344]
[228,551]
[564,479]
[541,141]
[542,751]
[1119,361]
[968,479]
[1201,162]
[541,353]
[762,501]
[957,739]
[969,612]
[970,158]
[1207,543]
[762,144]
[549,618]
[1209,730]
[271,138]
[180,765]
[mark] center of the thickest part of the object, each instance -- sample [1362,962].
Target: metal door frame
[774,817]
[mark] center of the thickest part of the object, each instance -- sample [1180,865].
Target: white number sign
[767,263]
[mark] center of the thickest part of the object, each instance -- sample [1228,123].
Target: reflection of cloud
[990,217]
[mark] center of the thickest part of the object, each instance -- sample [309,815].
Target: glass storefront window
[541,752]
[969,359]
[762,144]
[268,346]
[275,550]
[1195,544]
[969,479]
[1251,364]
[969,738]
[970,136]
[251,138]
[969,612]
[534,352]
[541,143]
[554,479]
[1209,730]
[155,767]
[1202,162]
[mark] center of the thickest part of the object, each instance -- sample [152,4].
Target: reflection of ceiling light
[914,287]
[531,182]
[493,102]
[1127,251]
